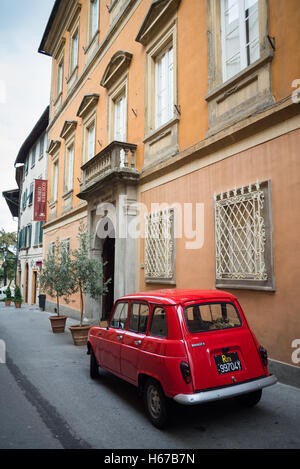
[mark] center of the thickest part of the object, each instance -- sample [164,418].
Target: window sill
[228,87]
[246,93]
[161,143]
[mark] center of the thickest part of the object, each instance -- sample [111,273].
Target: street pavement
[48,401]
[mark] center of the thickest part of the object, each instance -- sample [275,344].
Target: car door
[111,338]
[133,339]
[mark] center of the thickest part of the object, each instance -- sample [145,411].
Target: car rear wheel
[156,403]
[250,399]
[94,369]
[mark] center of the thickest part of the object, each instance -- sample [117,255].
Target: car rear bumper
[226,392]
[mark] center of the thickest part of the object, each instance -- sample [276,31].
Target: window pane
[211,317]
[139,316]
[120,316]
[159,325]
[231,37]
[74,58]
[164,88]
[252,30]
[91,141]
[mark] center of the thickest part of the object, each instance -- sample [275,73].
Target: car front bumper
[225,392]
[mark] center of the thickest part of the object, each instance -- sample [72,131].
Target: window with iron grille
[160,247]
[243,237]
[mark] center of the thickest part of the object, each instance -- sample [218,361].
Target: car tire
[94,369]
[156,403]
[250,399]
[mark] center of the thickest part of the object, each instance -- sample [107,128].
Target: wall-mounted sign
[40,200]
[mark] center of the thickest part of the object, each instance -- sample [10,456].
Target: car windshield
[204,317]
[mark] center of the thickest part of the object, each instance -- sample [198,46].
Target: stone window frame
[168,130]
[257,75]
[265,280]
[92,37]
[169,276]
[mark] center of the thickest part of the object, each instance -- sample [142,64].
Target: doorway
[34,287]
[108,257]
[26,283]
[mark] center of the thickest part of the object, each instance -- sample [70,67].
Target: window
[243,238]
[30,199]
[139,315]
[54,187]
[164,90]
[160,246]
[69,168]
[93,18]
[211,317]
[42,144]
[33,152]
[59,77]
[159,326]
[119,317]
[240,35]
[74,51]
[38,235]
[90,141]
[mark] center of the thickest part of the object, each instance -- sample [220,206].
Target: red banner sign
[40,200]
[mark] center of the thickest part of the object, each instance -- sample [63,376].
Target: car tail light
[186,372]
[263,355]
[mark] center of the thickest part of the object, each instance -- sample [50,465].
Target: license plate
[228,362]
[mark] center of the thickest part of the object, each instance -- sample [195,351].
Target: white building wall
[34,253]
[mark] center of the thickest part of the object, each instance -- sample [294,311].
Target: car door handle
[138,342]
[120,337]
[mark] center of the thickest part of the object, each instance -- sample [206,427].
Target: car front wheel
[94,369]
[156,403]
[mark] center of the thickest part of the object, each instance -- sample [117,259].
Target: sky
[24,85]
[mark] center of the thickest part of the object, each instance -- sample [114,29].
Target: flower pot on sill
[7,302]
[18,304]
[80,334]
[58,323]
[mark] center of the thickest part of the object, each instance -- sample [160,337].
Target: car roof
[173,296]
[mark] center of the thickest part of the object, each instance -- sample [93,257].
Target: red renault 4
[193,346]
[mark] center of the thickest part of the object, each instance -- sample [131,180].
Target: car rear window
[214,316]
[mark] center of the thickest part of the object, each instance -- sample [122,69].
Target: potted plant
[8,296]
[57,280]
[18,300]
[88,274]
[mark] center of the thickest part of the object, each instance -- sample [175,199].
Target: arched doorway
[26,279]
[108,257]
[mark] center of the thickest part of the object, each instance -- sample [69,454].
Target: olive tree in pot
[18,300]
[88,274]
[8,297]
[58,281]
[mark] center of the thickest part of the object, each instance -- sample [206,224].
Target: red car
[193,346]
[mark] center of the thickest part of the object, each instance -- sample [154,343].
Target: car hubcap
[153,400]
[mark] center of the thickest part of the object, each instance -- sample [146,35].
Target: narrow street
[47,400]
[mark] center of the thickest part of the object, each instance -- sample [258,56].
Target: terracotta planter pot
[58,323]
[80,334]
[17,304]
[7,302]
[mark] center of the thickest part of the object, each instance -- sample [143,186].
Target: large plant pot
[80,334]
[58,323]
[17,304]
[7,302]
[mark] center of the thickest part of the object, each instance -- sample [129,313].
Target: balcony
[117,161]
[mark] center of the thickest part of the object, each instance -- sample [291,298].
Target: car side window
[139,315]
[159,325]
[119,317]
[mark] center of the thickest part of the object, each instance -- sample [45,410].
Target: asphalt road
[47,400]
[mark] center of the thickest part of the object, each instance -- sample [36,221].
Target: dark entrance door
[108,256]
